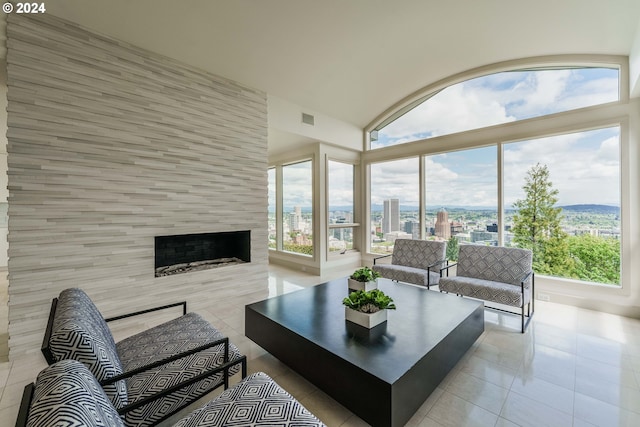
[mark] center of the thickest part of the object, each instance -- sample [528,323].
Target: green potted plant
[364,279]
[367,308]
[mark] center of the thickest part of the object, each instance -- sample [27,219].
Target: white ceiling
[352,59]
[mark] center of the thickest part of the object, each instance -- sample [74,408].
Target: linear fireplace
[184,253]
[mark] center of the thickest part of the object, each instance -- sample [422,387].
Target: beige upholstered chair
[418,262]
[494,274]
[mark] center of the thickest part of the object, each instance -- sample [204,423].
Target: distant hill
[599,209]
[587,208]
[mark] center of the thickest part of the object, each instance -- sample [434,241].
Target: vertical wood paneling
[108,146]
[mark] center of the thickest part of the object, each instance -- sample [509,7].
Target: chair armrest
[525,278]
[380,257]
[25,404]
[447,267]
[222,368]
[45,349]
[177,356]
[149,310]
[442,261]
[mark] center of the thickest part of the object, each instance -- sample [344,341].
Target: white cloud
[395,180]
[465,181]
[452,110]
[583,166]
[501,98]
[297,185]
[581,170]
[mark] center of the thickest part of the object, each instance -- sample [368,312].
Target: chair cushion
[80,333]
[67,394]
[178,335]
[255,401]
[418,253]
[417,276]
[503,293]
[494,263]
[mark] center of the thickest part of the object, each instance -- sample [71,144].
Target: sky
[583,166]
[501,98]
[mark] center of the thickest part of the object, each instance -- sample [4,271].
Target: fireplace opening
[184,253]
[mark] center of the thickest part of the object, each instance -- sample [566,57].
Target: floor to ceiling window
[395,203]
[461,202]
[557,192]
[271,223]
[562,201]
[340,201]
[297,208]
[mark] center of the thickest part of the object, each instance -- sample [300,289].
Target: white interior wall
[286,117]
[634,66]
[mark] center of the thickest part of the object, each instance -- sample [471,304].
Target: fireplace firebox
[193,252]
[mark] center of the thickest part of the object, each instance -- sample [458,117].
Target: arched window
[496,99]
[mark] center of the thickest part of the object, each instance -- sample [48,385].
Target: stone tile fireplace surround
[110,146]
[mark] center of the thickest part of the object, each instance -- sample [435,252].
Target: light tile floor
[573,367]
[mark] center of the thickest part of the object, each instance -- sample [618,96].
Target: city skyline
[414,208]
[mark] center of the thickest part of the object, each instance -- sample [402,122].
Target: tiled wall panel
[108,146]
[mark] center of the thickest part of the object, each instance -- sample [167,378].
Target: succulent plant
[369,301]
[365,274]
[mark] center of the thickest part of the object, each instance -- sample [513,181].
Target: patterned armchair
[154,373]
[418,262]
[496,274]
[66,393]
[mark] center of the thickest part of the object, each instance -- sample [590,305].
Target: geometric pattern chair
[256,401]
[414,261]
[154,373]
[67,394]
[496,274]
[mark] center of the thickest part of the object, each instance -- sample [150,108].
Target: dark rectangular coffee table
[383,375]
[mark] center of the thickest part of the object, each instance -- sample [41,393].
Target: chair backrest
[66,393]
[79,332]
[495,263]
[418,253]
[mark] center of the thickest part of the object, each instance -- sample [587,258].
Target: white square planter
[368,320]
[354,285]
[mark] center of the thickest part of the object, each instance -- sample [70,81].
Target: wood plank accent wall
[110,145]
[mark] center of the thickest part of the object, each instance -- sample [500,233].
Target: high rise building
[295,219]
[391,216]
[443,228]
[294,222]
[412,227]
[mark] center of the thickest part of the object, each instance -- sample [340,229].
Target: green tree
[452,249]
[536,224]
[300,249]
[596,259]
